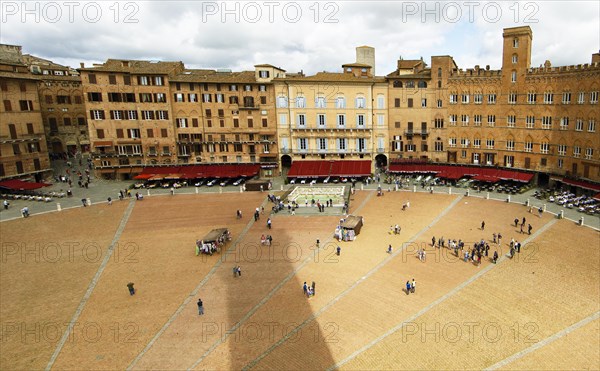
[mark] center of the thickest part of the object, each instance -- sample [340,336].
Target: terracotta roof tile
[408,63]
[32,59]
[424,74]
[136,67]
[334,77]
[59,78]
[356,65]
[210,76]
[20,76]
[269,65]
[195,75]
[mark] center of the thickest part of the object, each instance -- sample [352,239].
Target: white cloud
[321,36]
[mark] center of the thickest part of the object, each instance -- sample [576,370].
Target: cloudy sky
[310,36]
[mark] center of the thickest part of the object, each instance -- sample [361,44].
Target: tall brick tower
[516,54]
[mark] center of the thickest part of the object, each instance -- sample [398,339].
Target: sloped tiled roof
[426,73]
[59,78]
[136,67]
[21,76]
[211,76]
[10,62]
[32,59]
[356,65]
[269,65]
[45,63]
[408,63]
[192,75]
[333,77]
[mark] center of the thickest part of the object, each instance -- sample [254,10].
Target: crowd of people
[210,247]
[309,290]
[411,286]
[266,240]
[480,248]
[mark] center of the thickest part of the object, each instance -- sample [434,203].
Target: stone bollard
[58,206]
[362,187]
[581,221]
[431,190]
[88,201]
[561,214]
[147,192]
[281,187]
[414,188]
[396,187]
[241,189]
[220,189]
[527,202]
[449,190]
[508,198]
[467,193]
[196,190]
[544,207]
[487,195]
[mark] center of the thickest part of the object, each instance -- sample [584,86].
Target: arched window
[360,102]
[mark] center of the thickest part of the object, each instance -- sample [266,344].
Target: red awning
[582,184]
[350,168]
[451,175]
[486,178]
[457,172]
[322,169]
[597,196]
[524,177]
[310,169]
[143,176]
[166,170]
[19,185]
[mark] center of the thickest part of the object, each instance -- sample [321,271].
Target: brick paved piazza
[65,303]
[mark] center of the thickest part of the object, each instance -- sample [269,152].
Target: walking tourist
[131,289]
[200,307]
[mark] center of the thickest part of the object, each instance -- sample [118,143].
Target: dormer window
[263,74]
[363,70]
[348,69]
